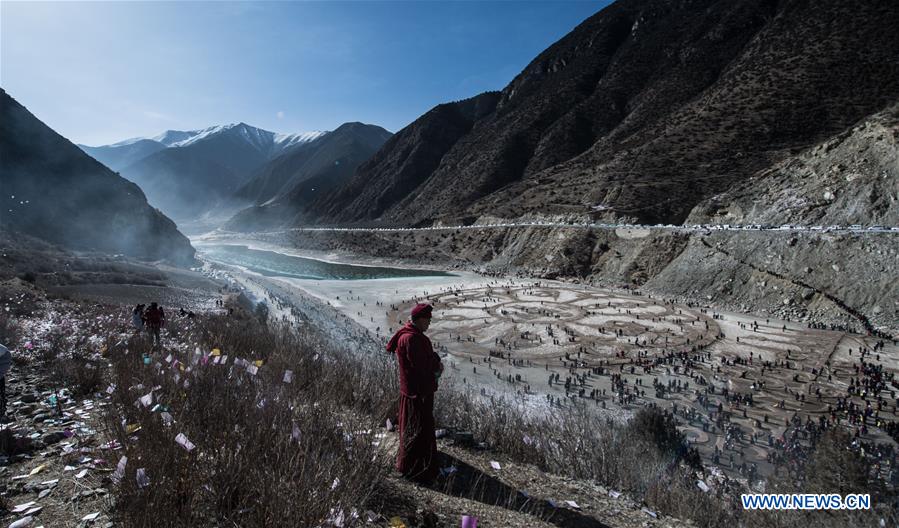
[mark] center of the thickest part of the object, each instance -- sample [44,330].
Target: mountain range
[54,191]
[124,153]
[282,189]
[190,173]
[187,173]
[644,112]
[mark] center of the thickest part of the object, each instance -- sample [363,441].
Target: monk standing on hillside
[419,368]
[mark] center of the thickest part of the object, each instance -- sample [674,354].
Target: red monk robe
[419,366]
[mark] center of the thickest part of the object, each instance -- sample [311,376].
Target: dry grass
[265,450]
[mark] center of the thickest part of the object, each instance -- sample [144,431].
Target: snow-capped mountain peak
[263,140]
[284,141]
[194,136]
[269,144]
[170,137]
[127,142]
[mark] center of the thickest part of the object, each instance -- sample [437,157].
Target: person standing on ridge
[155,319]
[419,369]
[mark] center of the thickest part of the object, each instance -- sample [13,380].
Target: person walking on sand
[419,369]
[154,317]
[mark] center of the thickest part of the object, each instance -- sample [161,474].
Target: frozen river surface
[273,264]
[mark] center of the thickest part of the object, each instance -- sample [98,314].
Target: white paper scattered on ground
[252,369]
[288,376]
[614,494]
[182,440]
[119,472]
[142,479]
[91,516]
[147,399]
[22,507]
[495,465]
[21,523]
[81,474]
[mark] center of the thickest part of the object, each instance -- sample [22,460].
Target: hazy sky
[100,72]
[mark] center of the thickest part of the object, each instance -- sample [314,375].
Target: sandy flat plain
[507,336]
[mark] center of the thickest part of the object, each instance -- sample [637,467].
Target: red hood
[409,328]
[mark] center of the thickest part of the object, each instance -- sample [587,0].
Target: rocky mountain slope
[54,191]
[836,278]
[283,188]
[852,178]
[404,162]
[642,112]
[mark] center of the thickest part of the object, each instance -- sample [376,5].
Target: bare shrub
[646,456]
[265,451]
[82,375]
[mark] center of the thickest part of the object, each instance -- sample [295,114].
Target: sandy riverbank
[506,336]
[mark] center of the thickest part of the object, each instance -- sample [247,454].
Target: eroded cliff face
[852,178]
[848,279]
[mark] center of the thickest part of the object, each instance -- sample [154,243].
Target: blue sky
[100,72]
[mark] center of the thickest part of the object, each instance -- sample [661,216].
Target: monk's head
[421,316]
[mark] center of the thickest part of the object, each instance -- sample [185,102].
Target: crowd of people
[151,318]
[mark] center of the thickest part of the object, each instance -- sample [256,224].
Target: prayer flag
[119,472]
[182,440]
[142,479]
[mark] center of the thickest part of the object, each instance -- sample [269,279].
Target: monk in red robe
[419,369]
